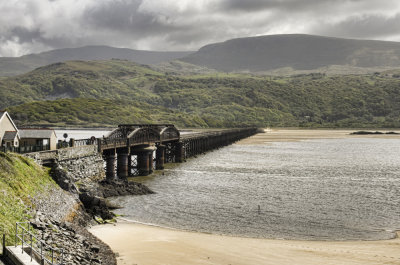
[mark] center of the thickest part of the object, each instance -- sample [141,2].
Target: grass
[20,181]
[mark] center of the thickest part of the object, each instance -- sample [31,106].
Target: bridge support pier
[160,157]
[179,152]
[145,161]
[151,160]
[110,164]
[123,163]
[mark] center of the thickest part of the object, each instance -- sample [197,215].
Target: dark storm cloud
[124,16]
[287,5]
[24,35]
[37,25]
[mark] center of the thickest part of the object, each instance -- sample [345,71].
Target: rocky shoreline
[80,246]
[94,196]
[62,216]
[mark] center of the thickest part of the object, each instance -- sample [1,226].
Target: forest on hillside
[106,93]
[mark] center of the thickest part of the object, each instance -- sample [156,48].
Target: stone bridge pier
[119,161]
[123,162]
[144,159]
[160,157]
[110,158]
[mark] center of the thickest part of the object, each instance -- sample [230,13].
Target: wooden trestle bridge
[129,149]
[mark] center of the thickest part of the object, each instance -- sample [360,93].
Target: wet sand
[149,245]
[143,244]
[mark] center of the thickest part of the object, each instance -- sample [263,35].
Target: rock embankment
[93,195]
[62,215]
[80,246]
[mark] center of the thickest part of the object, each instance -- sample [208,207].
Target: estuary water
[80,133]
[321,189]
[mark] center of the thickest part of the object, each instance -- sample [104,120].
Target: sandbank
[289,135]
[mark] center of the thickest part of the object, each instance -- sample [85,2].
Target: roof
[5,113]
[36,133]
[10,136]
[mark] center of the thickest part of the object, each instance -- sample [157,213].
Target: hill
[18,65]
[297,52]
[112,92]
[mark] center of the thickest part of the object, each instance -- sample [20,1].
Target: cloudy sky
[31,26]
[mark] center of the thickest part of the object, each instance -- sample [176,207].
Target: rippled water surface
[337,189]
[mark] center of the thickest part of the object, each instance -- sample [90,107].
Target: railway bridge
[136,149]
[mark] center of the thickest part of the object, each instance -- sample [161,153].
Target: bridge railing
[136,134]
[37,248]
[216,133]
[83,142]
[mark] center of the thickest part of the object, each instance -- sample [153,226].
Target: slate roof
[36,133]
[9,136]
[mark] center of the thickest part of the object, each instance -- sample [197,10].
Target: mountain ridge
[10,66]
[299,51]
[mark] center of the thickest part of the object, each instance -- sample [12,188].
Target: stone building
[44,139]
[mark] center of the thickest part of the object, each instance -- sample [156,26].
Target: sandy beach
[149,245]
[143,244]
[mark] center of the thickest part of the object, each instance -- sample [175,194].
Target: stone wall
[88,166]
[78,162]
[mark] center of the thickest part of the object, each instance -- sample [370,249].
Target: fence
[37,248]
[80,142]
[38,148]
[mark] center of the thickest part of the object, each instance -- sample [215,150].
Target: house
[24,140]
[42,139]
[8,131]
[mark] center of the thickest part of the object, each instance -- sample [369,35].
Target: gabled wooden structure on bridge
[140,140]
[127,135]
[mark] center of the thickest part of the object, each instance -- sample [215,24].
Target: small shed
[43,139]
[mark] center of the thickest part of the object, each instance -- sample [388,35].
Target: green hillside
[20,181]
[102,93]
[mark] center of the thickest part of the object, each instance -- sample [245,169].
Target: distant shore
[290,135]
[144,244]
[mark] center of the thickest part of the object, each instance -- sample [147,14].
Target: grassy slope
[111,79]
[20,180]
[113,92]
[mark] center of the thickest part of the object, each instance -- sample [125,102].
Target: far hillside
[297,52]
[107,93]
[18,65]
